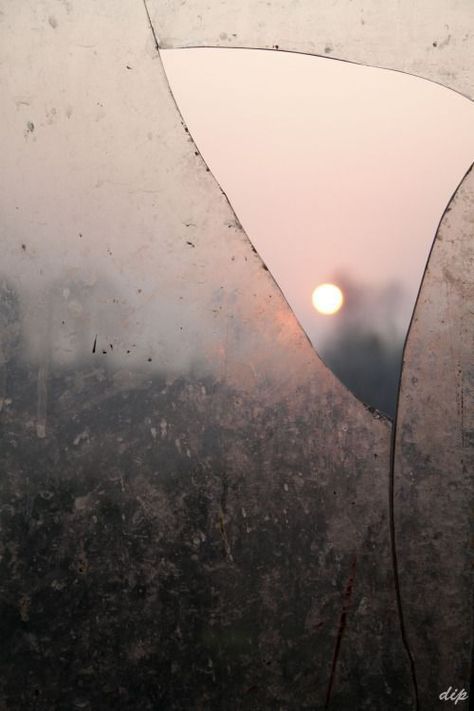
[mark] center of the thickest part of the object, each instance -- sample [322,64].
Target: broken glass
[194,509]
[339,174]
[188,492]
[432,40]
[434,459]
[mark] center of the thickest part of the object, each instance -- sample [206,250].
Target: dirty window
[195,512]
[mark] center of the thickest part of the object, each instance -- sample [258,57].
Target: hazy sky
[336,171]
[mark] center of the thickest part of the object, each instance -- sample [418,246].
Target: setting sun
[327,299]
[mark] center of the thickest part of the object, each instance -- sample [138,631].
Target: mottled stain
[24,607]
[443,43]
[51,115]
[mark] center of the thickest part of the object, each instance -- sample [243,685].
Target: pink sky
[332,168]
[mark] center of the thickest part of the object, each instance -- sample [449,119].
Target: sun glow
[327,299]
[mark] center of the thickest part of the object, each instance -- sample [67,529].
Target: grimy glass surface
[430,39]
[194,511]
[338,173]
[434,457]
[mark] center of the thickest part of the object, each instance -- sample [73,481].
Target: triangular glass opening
[339,174]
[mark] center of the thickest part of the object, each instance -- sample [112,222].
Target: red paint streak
[346,601]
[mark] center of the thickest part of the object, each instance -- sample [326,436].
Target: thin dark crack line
[393,447]
[322,56]
[394,553]
[155,38]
